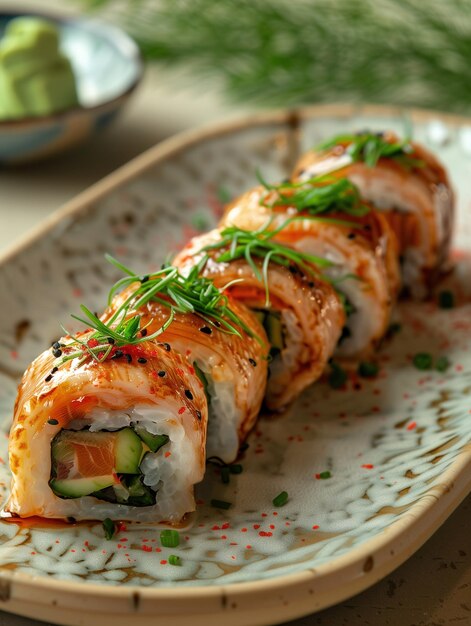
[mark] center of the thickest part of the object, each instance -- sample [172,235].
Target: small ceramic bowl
[107,65]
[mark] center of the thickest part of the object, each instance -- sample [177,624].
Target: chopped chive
[446,299]
[422,361]
[442,364]
[325,475]
[221,504]
[338,376]
[225,474]
[109,528]
[236,468]
[281,499]
[393,329]
[170,538]
[173,559]
[368,369]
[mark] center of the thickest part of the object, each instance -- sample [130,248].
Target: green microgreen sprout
[317,196]
[238,243]
[370,147]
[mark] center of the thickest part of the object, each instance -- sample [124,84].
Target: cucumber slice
[274,329]
[202,376]
[130,491]
[128,451]
[78,487]
[154,442]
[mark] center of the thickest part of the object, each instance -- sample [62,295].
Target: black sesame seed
[161,373]
[351,235]
[48,378]
[143,332]
[252,362]
[141,359]
[217,324]
[198,415]
[54,370]
[144,279]
[53,422]
[166,346]
[128,357]
[311,284]
[71,520]
[56,345]
[293,269]
[57,353]
[117,355]
[188,394]
[111,341]
[367,227]
[206,330]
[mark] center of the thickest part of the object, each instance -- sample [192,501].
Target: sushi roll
[302,314]
[330,220]
[407,184]
[223,361]
[121,437]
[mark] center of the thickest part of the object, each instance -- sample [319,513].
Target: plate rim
[424,516]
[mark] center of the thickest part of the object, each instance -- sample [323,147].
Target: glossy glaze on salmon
[413,193]
[311,316]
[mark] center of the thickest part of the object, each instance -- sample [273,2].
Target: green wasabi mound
[35,77]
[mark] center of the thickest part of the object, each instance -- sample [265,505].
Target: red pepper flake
[315,527]
[191,370]
[411,425]
[367,466]
[248,546]
[123,539]
[92,343]
[158,549]
[188,352]
[33,553]
[263,533]
[180,372]
[272,526]
[223,536]
[167,454]
[243,530]
[233,543]
[121,527]
[145,540]
[256,526]
[216,527]
[14,354]
[163,562]
[146,548]
[275,513]
[181,410]
[264,515]
[73,550]
[459,367]
[77,293]
[85,543]
[287,523]
[57,541]
[225,526]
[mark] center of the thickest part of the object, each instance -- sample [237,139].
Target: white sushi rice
[224,416]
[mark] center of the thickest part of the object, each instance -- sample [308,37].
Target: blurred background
[208,60]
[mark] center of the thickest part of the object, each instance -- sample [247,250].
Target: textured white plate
[397,447]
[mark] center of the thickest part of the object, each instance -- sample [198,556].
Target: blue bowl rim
[61,115]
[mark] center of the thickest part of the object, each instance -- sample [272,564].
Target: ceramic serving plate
[371,470]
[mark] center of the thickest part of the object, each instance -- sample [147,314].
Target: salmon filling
[104,464]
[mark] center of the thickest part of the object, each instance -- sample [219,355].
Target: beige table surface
[433,588]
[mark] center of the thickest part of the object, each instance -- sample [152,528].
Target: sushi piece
[328,219]
[223,360]
[302,314]
[408,185]
[119,436]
